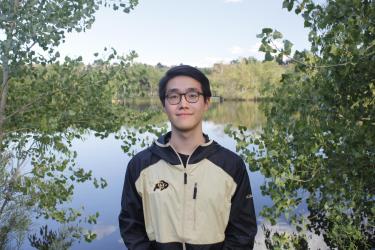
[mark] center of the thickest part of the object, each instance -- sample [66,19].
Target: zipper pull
[195,191]
[185,178]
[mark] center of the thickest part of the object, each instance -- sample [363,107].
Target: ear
[207,103]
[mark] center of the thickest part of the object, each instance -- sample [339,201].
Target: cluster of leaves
[45,105]
[50,239]
[146,135]
[278,240]
[318,146]
[44,23]
[15,221]
[57,96]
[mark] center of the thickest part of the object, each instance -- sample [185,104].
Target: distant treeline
[242,79]
[245,79]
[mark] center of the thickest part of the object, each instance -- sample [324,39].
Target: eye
[173,96]
[192,95]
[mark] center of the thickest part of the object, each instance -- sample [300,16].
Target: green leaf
[262,48]
[277,35]
[287,47]
[334,50]
[267,31]
[268,56]
[279,58]
[285,4]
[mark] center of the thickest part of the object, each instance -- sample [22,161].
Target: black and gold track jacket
[206,205]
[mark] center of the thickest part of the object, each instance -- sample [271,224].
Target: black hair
[184,70]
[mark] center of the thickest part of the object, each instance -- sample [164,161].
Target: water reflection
[237,113]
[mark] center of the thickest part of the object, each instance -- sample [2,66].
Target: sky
[195,32]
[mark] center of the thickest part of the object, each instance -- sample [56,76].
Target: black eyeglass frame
[184,94]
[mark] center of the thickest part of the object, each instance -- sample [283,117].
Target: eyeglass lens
[175,98]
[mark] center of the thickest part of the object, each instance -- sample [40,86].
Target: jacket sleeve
[131,219]
[242,227]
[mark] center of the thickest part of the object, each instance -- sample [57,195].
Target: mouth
[183,114]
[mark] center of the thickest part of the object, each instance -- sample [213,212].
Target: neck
[186,142]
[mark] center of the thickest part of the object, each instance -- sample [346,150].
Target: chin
[185,127]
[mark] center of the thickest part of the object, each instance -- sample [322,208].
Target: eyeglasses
[190,96]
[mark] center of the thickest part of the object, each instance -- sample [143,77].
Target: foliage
[57,96]
[318,147]
[14,222]
[48,109]
[284,240]
[44,23]
[50,239]
[149,133]
[45,105]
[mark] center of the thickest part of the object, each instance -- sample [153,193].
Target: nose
[183,102]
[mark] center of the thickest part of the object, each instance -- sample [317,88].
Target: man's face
[185,116]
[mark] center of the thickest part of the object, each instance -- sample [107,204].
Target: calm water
[106,159]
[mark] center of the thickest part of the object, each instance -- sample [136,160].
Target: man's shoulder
[142,159]
[143,154]
[228,161]
[226,154]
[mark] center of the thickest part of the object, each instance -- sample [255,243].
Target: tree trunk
[4,94]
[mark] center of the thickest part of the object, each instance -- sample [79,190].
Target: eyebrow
[179,91]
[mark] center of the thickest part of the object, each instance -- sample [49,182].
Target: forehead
[182,83]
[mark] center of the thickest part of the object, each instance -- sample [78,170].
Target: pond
[106,159]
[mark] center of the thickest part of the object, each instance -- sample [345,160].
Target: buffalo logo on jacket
[161,185]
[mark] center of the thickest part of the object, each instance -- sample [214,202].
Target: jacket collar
[164,150]
[163,141]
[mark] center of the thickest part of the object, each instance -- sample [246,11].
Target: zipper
[195,191]
[195,204]
[187,163]
[182,164]
[185,182]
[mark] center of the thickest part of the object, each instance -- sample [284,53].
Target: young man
[186,191]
